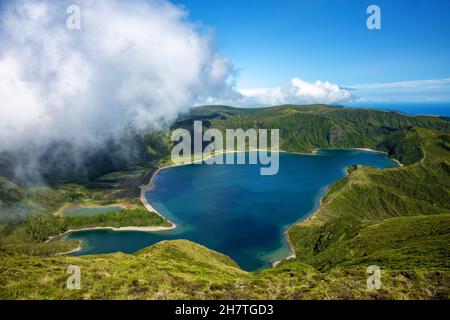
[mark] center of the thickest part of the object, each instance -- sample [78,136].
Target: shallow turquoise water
[232,208]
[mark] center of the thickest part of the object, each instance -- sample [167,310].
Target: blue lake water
[232,208]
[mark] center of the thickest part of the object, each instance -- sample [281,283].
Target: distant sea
[436,109]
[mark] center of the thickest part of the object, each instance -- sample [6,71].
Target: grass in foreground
[184,270]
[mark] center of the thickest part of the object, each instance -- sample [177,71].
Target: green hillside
[304,128]
[396,218]
[367,196]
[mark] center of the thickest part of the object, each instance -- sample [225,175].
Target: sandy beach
[367,149]
[72,251]
[275,263]
[142,229]
[291,254]
[149,207]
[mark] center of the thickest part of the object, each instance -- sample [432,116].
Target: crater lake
[232,208]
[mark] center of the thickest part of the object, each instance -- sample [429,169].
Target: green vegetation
[396,218]
[40,227]
[304,128]
[30,235]
[184,270]
[417,196]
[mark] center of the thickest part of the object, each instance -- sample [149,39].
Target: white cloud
[132,63]
[302,92]
[297,91]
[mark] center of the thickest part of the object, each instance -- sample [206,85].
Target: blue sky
[270,42]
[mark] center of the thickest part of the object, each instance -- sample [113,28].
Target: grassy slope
[396,218]
[367,196]
[159,271]
[184,270]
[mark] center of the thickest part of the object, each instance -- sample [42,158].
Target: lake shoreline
[151,186]
[312,215]
[118,229]
[291,252]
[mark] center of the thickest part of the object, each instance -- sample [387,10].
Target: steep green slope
[303,128]
[397,217]
[400,243]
